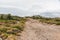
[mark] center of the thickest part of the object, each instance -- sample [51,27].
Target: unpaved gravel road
[39,31]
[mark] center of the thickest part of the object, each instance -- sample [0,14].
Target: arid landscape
[29,19]
[29,28]
[34,30]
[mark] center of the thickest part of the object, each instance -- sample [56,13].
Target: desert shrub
[18,27]
[3,29]
[57,20]
[5,35]
[11,25]
[58,23]
[7,25]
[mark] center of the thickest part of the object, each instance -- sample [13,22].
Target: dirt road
[39,31]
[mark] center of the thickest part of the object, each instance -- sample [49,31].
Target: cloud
[32,6]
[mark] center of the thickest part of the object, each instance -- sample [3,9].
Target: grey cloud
[30,7]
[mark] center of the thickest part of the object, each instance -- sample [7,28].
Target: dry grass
[11,27]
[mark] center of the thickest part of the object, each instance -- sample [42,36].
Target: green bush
[18,27]
[7,25]
[58,23]
[3,29]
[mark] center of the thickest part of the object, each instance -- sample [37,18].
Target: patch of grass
[7,25]
[58,23]
[3,30]
[8,29]
[18,27]
[11,25]
[4,35]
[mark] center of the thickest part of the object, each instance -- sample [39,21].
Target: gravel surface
[34,30]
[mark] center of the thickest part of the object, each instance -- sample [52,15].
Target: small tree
[2,16]
[9,16]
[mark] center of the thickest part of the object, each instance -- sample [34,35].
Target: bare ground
[34,30]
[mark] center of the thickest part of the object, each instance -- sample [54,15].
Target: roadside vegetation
[11,25]
[47,20]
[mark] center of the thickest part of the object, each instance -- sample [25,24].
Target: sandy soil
[39,31]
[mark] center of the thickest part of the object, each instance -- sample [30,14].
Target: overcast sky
[36,6]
